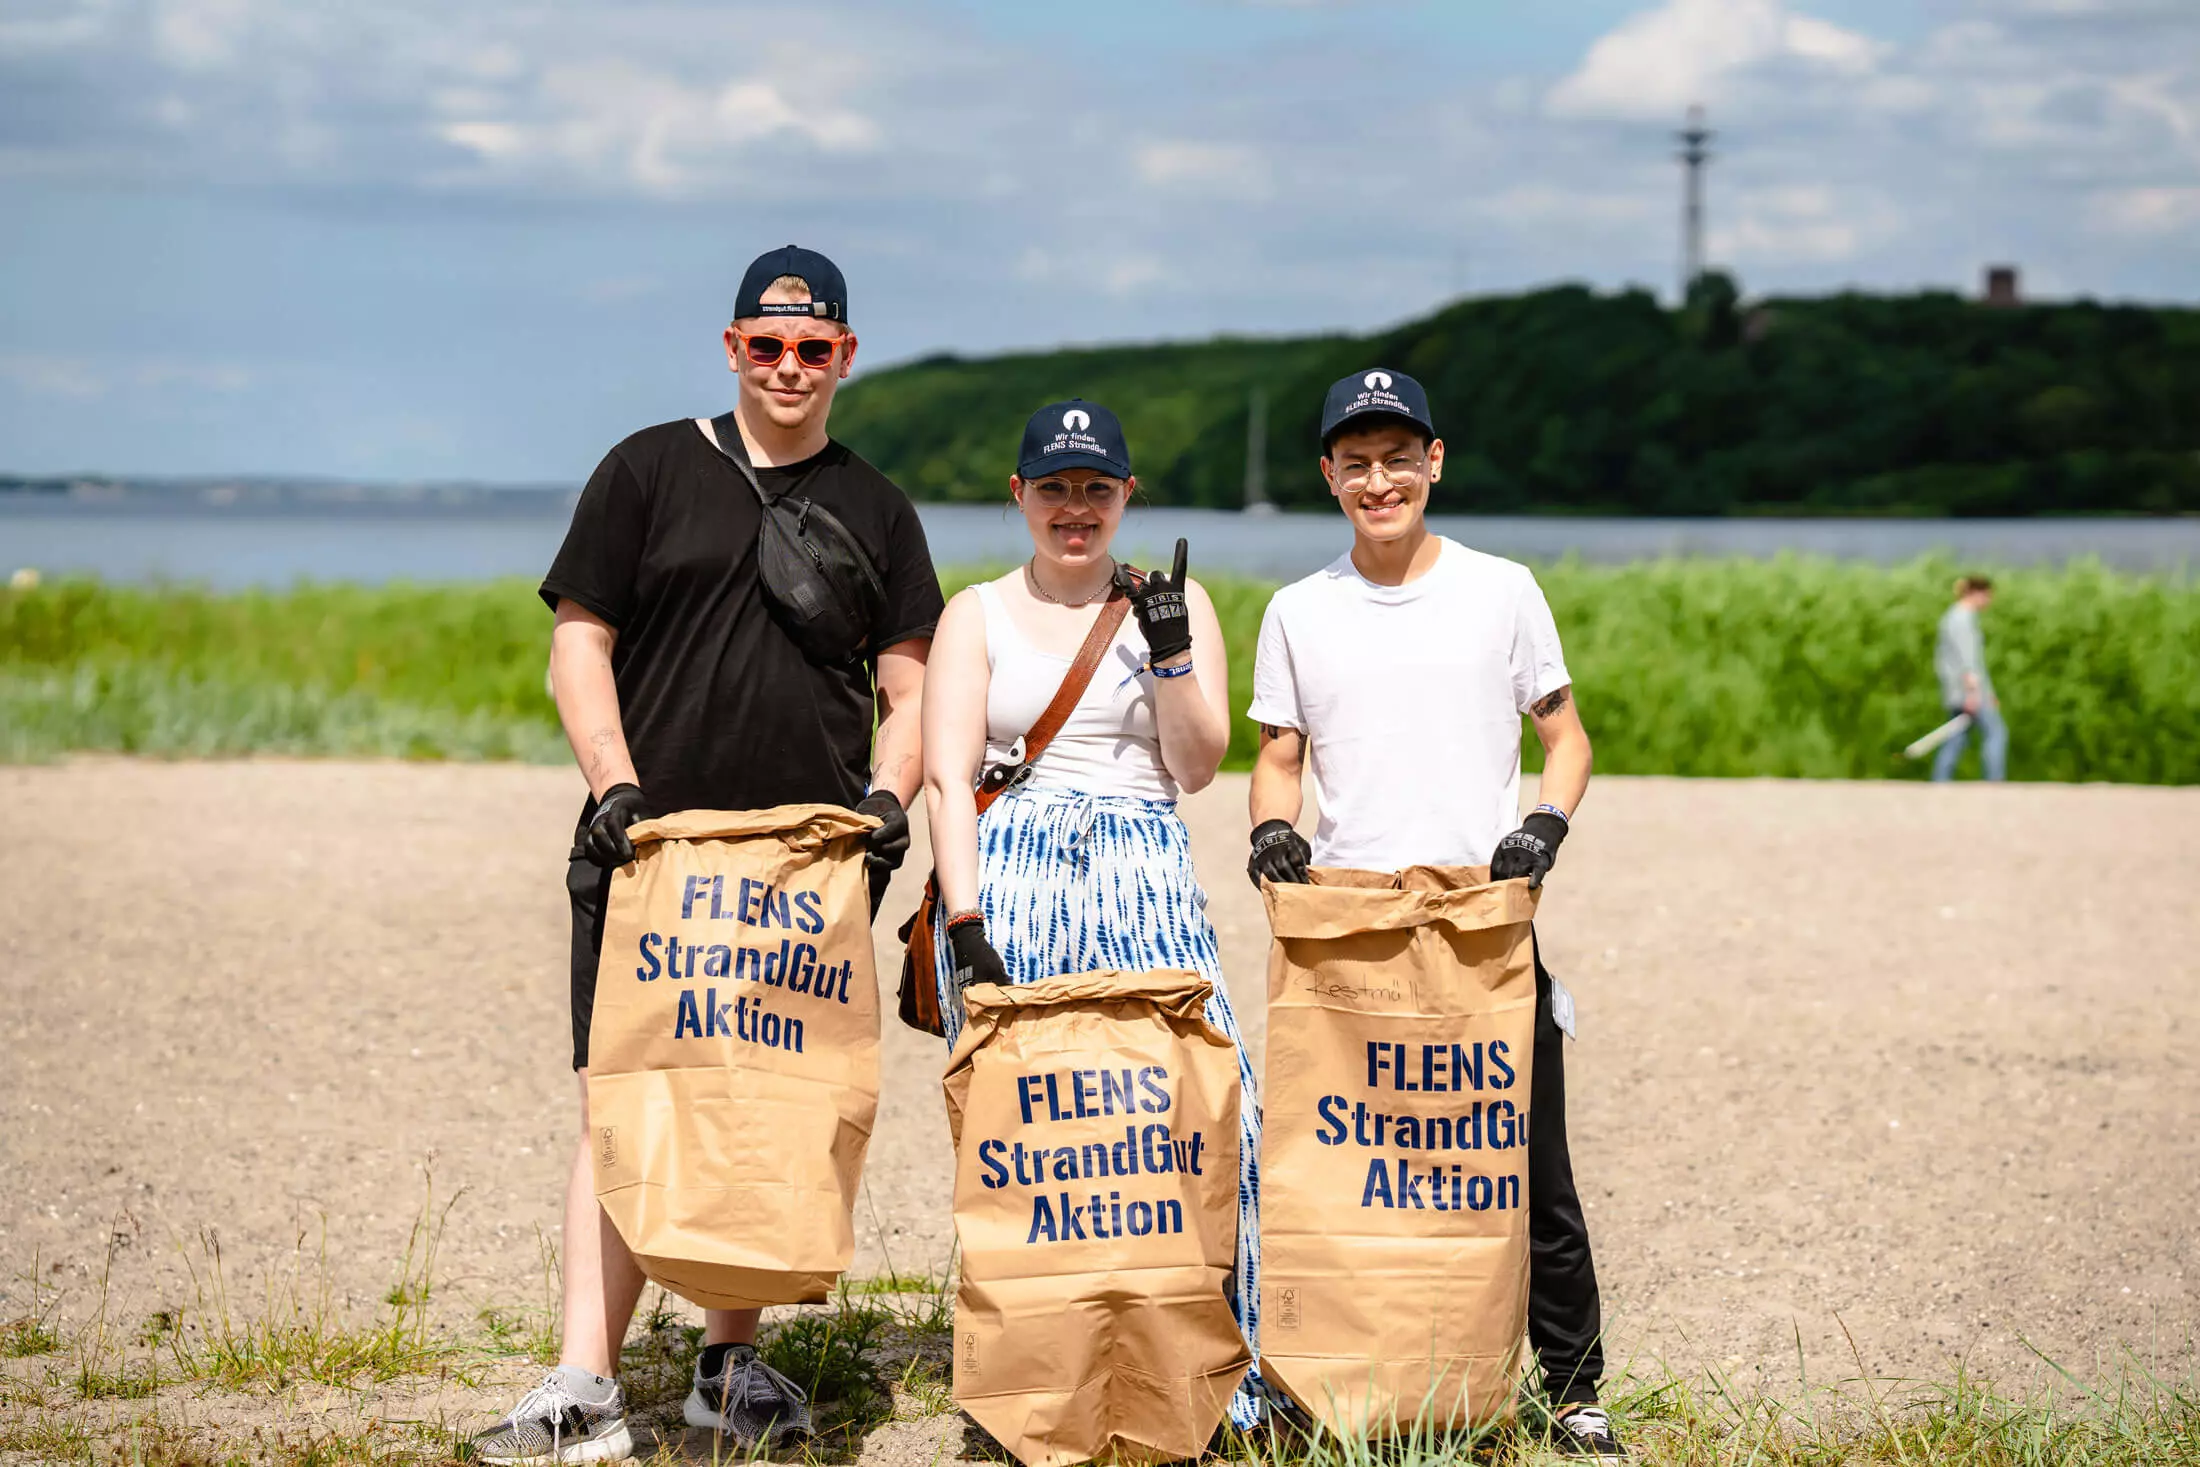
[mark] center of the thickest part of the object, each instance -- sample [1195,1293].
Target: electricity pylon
[1695,141]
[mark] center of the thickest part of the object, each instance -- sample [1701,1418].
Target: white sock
[587,1385]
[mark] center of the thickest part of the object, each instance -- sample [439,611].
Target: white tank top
[1110,744]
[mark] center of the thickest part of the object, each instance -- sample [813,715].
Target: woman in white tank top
[1085,866]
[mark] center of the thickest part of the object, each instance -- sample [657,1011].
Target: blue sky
[415,240]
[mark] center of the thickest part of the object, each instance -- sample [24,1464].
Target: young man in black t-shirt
[679,691]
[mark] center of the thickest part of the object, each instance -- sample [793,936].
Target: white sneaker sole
[617,1446]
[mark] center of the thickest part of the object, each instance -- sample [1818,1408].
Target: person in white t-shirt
[1400,672]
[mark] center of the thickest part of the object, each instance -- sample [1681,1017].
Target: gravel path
[1913,1061]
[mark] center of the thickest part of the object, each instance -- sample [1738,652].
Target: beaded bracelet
[1169,671]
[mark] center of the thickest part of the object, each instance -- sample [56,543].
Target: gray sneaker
[748,1401]
[551,1425]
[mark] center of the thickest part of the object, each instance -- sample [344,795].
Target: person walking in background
[679,690]
[1084,865]
[1959,658]
[1400,672]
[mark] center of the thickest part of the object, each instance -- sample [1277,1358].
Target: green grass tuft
[32,1333]
[29,1335]
[298,1335]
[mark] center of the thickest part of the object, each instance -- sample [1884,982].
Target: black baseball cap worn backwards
[1073,435]
[828,291]
[1375,393]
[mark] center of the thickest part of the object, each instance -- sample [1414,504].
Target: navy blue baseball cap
[1375,393]
[1073,435]
[828,291]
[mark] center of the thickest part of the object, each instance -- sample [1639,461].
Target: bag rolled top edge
[1338,903]
[1174,991]
[815,822]
[1175,994]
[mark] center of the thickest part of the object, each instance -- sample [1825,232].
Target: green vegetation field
[1568,401]
[1791,667]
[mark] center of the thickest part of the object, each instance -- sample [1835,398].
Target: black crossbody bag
[819,585]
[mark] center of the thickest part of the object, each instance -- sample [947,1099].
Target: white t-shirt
[1410,697]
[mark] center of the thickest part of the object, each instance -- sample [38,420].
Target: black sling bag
[819,585]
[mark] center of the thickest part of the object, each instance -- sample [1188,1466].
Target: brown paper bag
[1394,1162]
[733,1053]
[1096,1200]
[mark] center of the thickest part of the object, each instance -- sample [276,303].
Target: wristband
[959,919]
[1169,671]
[1563,818]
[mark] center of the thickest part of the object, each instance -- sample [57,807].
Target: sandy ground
[1913,1061]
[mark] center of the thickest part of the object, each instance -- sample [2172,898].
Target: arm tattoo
[601,741]
[1550,704]
[1270,731]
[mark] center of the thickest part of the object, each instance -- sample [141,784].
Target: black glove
[1279,853]
[606,844]
[1529,851]
[887,844]
[1158,602]
[975,960]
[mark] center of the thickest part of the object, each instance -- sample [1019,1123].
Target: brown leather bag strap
[1000,779]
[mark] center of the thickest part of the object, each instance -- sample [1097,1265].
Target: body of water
[237,546]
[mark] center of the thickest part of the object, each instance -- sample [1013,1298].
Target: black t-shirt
[721,710]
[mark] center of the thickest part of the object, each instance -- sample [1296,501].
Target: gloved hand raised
[1158,603]
[1279,853]
[885,846]
[606,843]
[975,959]
[1529,851]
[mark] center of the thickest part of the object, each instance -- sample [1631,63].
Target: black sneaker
[552,1426]
[1585,1431]
[748,1401]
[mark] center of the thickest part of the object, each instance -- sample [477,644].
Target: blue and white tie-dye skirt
[1074,883]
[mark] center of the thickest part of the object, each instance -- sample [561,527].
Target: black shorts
[587,885]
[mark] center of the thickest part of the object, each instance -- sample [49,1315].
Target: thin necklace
[1032,575]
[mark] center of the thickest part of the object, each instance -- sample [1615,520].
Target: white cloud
[1543,204]
[669,100]
[1686,51]
[49,376]
[1117,272]
[2037,128]
[1128,273]
[1810,223]
[82,378]
[201,34]
[1229,168]
[2147,211]
[198,376]
[617,126]
[76,25]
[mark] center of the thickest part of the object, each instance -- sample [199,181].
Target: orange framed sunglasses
[814,352]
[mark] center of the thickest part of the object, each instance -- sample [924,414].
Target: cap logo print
[1378,381]
[1077,420]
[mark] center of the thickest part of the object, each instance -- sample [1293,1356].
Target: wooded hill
[1570,401]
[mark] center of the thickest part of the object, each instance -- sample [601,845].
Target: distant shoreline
[243,497]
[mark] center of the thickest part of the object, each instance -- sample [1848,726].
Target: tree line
[1570,401]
